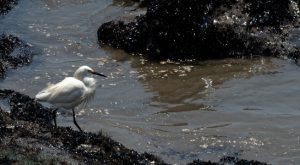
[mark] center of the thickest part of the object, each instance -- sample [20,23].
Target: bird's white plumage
[71,91]
[67,94]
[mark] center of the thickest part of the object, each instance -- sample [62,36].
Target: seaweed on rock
[269,13]
[228,160]
[23,107]
[209,29]
[13,53]
[7,5]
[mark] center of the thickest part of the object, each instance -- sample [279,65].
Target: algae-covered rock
[7,5]
[13,53]
[228,160]
[208,29]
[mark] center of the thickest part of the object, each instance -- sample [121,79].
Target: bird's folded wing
[68,90]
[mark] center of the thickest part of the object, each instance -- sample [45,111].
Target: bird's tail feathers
[42,96]
[45,93]
[49,85]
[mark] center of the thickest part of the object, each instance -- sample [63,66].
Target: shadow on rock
[141,3]
[210,29]
[13,53]
[22,107]
[228,160]
[7,5]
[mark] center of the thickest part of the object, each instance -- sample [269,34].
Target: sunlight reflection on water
[247,107]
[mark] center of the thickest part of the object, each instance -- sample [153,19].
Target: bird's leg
[74,120]
[54,116]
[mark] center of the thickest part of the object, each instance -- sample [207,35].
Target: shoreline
[27,135]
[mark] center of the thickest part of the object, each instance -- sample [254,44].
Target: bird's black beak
[99,74]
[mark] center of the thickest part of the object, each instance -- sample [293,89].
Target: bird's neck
[78,76]
[89,82]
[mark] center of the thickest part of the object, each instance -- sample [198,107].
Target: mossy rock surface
[208,29]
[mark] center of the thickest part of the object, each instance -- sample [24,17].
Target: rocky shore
[170,29]
[210,29]
[7,5]
[28,136]
[13,53]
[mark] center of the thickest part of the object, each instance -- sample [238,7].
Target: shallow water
[180,112]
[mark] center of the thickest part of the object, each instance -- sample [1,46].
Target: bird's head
[83,71]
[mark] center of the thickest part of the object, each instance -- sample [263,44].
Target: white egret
[71,91]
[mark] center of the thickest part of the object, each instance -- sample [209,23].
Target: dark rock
[200,162]
[23,107]
[269,13]
[142,3]
[208,29]
[228,160]
[13,53]
[5,160]
[7,5]
[237,161]
[3,122]
[98,148]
